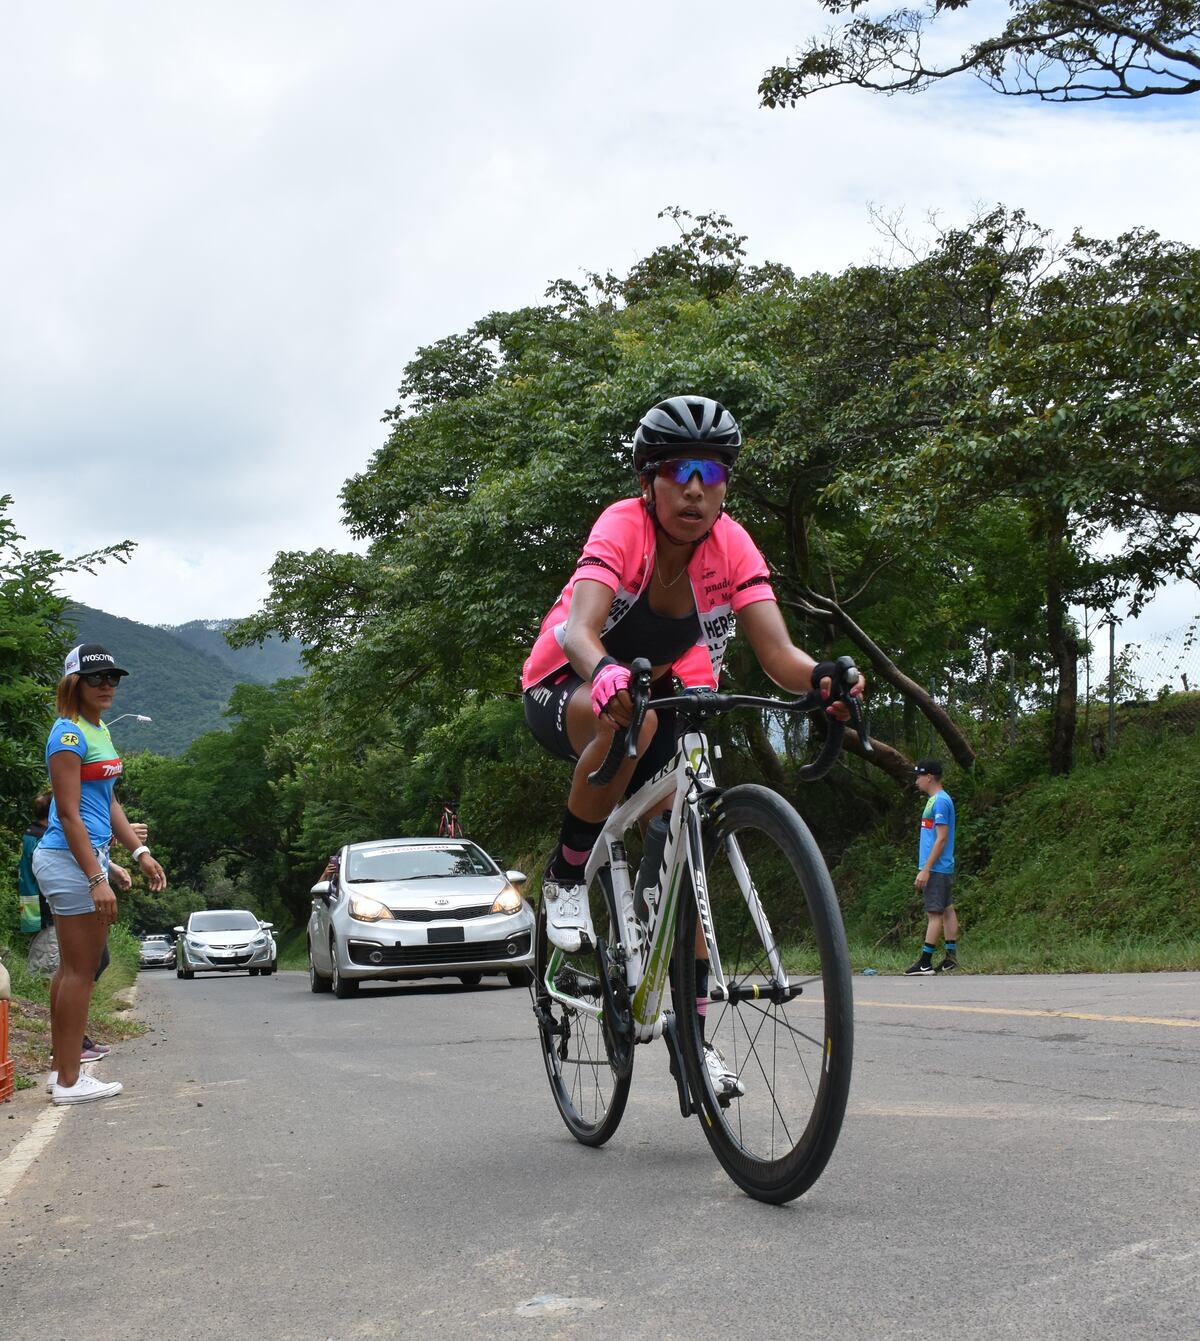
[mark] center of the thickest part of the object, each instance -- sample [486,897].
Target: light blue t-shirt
[939,809]
[99,769]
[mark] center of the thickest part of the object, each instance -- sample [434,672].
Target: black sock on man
[926,955]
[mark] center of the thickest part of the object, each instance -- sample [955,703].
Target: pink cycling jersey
[726,572]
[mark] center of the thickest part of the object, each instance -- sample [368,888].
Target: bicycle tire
[776,1139]
[576,1045]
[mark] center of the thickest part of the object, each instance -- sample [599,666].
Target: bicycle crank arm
[687,1105]
[735,992]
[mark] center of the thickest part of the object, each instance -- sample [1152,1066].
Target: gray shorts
[939,892]
[63,883]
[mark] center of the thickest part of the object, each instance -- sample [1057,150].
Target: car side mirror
[517,878]
[321,889]
[266,926]
[177,930]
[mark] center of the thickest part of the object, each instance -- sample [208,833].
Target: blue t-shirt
[939,809]
[100,767]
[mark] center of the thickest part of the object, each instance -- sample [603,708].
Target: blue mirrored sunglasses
[680,470]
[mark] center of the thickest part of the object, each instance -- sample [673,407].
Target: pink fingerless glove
[607,684]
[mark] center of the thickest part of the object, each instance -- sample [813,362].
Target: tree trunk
[893,763]
[763,754]
[821,607]
[1064,647]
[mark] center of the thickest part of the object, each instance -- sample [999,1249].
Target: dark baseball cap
[930,767]
[88,658]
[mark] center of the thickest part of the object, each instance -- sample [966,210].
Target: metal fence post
[1112,684]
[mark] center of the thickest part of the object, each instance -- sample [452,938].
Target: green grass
[293,949]
[108,1019]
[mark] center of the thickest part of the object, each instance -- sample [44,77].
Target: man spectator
[35,911]
[935,874]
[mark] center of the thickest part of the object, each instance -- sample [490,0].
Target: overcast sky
[226,228]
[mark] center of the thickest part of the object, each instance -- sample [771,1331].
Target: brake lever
[639,692]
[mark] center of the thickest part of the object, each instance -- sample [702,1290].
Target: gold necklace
[662,582]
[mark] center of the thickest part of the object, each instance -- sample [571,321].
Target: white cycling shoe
[725,1083]
[568,917]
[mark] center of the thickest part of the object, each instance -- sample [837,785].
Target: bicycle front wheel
[791,1052]
[589,1067]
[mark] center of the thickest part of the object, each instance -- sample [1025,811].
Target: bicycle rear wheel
[792,1056]
[589,1066]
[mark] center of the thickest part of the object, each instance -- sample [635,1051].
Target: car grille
[440,914]
[404,956]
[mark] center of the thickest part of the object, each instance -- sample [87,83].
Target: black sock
[579,836]
[926,954]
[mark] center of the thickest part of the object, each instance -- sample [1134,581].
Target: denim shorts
[63,883]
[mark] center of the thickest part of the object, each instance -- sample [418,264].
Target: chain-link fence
[1156,680]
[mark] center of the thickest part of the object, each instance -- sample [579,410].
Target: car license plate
[445,935]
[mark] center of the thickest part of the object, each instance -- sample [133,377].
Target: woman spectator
[71,861]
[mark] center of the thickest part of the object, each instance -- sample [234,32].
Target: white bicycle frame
[648,948]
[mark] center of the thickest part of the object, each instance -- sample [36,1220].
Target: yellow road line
[1037,1014]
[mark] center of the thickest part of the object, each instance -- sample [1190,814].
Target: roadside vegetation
[109,1019]
[937,441]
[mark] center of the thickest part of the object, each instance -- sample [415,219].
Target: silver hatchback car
[403,908]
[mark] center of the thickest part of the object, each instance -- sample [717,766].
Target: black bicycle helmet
[685,422]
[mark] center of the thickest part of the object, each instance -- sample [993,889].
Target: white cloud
[228,229]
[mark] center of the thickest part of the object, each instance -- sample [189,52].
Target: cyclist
[628,597]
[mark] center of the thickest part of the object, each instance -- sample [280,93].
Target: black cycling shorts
[546,717]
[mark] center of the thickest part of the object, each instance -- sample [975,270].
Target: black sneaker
[918,970]
[947,964]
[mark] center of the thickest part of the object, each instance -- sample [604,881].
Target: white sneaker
[85,1089]
[51,1081]
[726,1086]
[568,917]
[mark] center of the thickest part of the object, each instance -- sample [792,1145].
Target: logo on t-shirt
[68,738]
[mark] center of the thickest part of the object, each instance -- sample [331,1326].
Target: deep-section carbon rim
[588,1078]
[792,1057]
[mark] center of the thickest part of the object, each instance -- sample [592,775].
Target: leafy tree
[217,810]
[1078,404]
[1055,50]
[35,635]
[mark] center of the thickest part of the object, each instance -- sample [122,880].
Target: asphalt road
[290,1166]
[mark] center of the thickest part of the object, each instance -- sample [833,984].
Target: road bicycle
[741,864]
[449,825]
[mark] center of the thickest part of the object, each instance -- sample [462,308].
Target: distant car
[156,952]
[221,941]
[403,908]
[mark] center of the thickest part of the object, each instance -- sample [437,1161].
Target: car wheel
[179,973]
[342,987]
[519,977]
[316,981]
[189,973]
[255,972]
[470,979]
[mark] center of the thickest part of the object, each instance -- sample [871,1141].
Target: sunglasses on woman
[680,469]
[96,678]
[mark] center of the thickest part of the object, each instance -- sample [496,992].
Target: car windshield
[224,921]
[154,942]
[417,861]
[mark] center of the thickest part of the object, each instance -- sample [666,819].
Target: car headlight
[367,909]
[260,940]
[507,901]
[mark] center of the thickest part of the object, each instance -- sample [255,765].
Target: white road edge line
[28,1148]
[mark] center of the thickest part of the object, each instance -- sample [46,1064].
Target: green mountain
[275,660]
[181,677]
